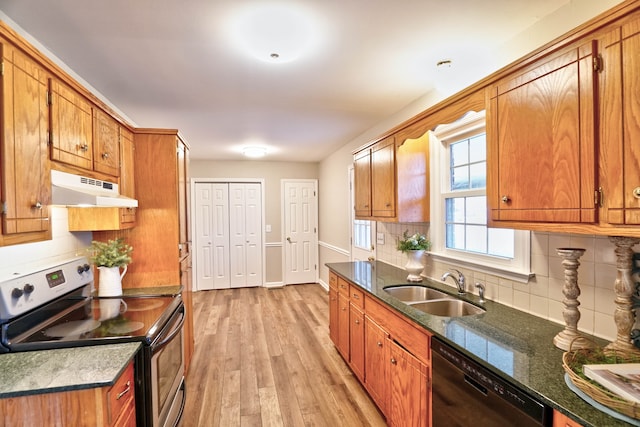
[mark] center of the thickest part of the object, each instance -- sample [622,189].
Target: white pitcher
[111,281]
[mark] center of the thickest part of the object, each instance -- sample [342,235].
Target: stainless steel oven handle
[173,333]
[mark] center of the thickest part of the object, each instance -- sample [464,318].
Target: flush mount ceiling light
[274,32]
[254,152]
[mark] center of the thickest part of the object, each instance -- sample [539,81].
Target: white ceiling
[177,63]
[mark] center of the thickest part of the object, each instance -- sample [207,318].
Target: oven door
[167,373]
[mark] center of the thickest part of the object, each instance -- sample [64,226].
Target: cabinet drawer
[333,280]
[121,395]
[356,296]
[343,287]
[409,335]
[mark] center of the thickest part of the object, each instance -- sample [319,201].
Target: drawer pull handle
[125,391]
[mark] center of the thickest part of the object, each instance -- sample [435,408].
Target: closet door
[245,233]
[212,238]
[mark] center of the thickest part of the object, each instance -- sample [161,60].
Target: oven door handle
[172,334]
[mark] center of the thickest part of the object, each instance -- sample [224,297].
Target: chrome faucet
[460,283]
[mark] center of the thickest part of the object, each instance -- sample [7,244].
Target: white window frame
[518,268]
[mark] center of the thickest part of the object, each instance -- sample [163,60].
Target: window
[362,234]
[459,228]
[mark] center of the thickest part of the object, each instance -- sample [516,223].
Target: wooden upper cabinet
[106,143]
[25,175]
[620,124]
[392,179]
[362,183]
[71,130]
[183,198]
[541,141]
[383,179]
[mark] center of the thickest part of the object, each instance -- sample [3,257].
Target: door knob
[289,239]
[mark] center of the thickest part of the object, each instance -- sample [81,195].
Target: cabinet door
[362,183]
[541,142]
[619,125]
[333,314]
[26,181]
[356,341]
[106,144]
[375,366]
[71,126]
[343,326]
[183,198]
[127,174]
[383,179]
[409,388]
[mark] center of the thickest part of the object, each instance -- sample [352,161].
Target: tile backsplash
[64,245]
[542,296]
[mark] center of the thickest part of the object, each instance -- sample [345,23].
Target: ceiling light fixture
[254,152]
[444,63]
[275,32]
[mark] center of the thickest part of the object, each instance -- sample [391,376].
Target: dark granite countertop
[65,369]
[521,345]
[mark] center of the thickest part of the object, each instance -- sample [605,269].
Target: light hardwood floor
[263,357]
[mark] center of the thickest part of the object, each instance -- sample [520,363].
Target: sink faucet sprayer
[459,280]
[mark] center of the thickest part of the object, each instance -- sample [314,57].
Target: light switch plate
[380,238]
[267,228]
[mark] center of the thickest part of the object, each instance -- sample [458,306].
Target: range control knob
[80,269]
[86,267]
[17,293]
[28,288]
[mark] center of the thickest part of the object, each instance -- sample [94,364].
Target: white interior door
[204,236]
[363,232]
[212,236]
[245,225]
[228,235]
[300,229]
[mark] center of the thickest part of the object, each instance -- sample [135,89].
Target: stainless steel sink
[448,308]
[414,293]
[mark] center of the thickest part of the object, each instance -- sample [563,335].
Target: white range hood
[76,190]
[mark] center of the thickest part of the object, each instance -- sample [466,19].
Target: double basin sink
[433,301]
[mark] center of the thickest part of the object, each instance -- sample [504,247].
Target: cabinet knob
[366,206]
[38,206]
[379,344]
[394,361]
[357,321]
[636,192]
[355,296]
[105,156]
[505,199]
[83,147]
[388,205]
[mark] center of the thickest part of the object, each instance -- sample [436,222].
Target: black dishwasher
[466,394]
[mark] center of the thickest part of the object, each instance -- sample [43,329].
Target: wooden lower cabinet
[561,420]
[113,406]
[388,353]
[408,389]
[356,341]
[343,326]
[375,363]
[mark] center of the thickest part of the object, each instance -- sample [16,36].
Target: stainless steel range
[53,307]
